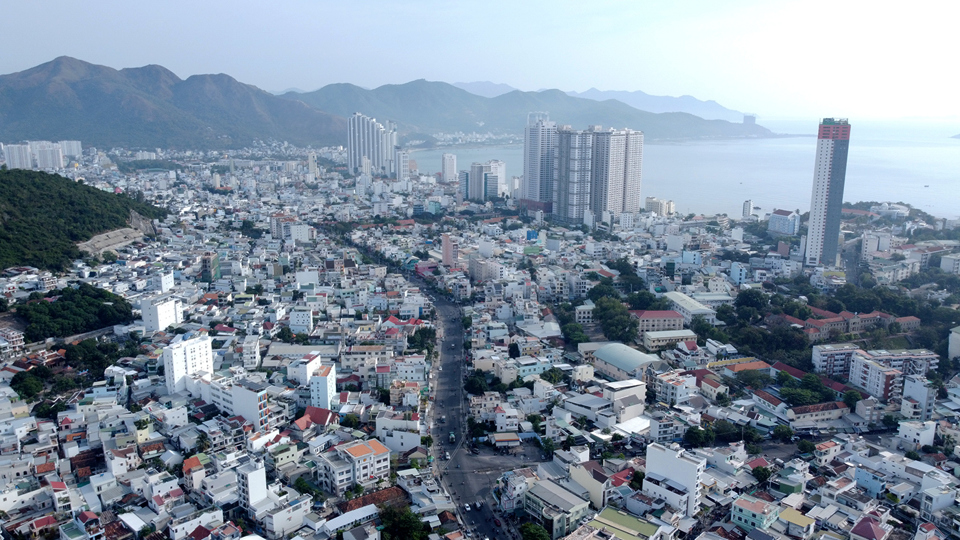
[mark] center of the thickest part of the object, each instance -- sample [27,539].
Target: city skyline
[740,54]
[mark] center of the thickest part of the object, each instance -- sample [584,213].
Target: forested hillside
[43,216]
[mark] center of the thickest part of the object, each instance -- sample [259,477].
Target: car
[466,507]
[479,504]
[497,522]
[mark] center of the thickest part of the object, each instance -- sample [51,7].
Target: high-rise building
[616,175]
[539,163]
[574,168]
[312,164]
[18,156]
[401,163]
[210,267]
[486,180]
[71,148]
[252,482]
[747,208]
[371,140]
[829,174]
[451,250]
[185,357]
[660,207]
[161,312]
[448,167]
[323,386]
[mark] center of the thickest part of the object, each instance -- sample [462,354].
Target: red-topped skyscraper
[826,203]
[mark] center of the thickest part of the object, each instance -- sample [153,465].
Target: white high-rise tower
[448,168]
[617,171]
[539,163]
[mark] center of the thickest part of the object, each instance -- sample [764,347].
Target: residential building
[18,156]
[786,222]
[539,154]
[919,398]
[751,513]
[657,321]
[826,202]
[448,168]
[358,462]
[323,386]
[690,308]
[574,169]
[370,140]
[161,312]
[186,355]
[617,171]
[676,476]
[210,267]
[554,508]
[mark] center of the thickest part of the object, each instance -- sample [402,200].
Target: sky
[778,59]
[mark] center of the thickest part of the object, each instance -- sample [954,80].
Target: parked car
[497,522]
[466,507]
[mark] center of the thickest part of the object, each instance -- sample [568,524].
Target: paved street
[467,477]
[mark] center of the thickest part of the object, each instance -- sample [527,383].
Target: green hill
[151,107]
[43,216]
[428,107]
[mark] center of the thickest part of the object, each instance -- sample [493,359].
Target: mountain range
[151,107]
[428,107]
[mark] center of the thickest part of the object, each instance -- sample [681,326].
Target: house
[751,513]
[811,415]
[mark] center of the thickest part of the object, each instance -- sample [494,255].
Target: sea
[916,162]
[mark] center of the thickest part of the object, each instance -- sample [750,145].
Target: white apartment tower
[826,202]
[617,171]
[539,163]
[487,180]
[252,478]
[574,171]
[18,156]
[49,156]
[161,312]
[669,468]
[323,386]
[448,167]
[71,148]
[185,357]
[747,208]
[370,140]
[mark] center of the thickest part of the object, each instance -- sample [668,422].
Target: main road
[468,478]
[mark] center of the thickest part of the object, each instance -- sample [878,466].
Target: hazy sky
[780,59]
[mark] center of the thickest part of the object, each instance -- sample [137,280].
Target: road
[466,477]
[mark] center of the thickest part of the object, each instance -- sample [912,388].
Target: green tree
[532,531]
[851,397]
[912,455]
[805,446]
[761,473]
[552,375]
[754,378]
[400,523]
[467,322]
[697,437]
[723,399]
[514,350]
[754,298]
[890,421]
[426,441]
[782,433]
[603,290]
[615,320]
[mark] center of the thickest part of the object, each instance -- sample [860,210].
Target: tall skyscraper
[18,156]
[539,167]
[829,174]
[401,163]
[486,180]
[616,175]
[448,167]
[367,138]
[574,168]
[71,148]
[451,250]
[747,208]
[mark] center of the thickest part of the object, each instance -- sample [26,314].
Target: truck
[453,437]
